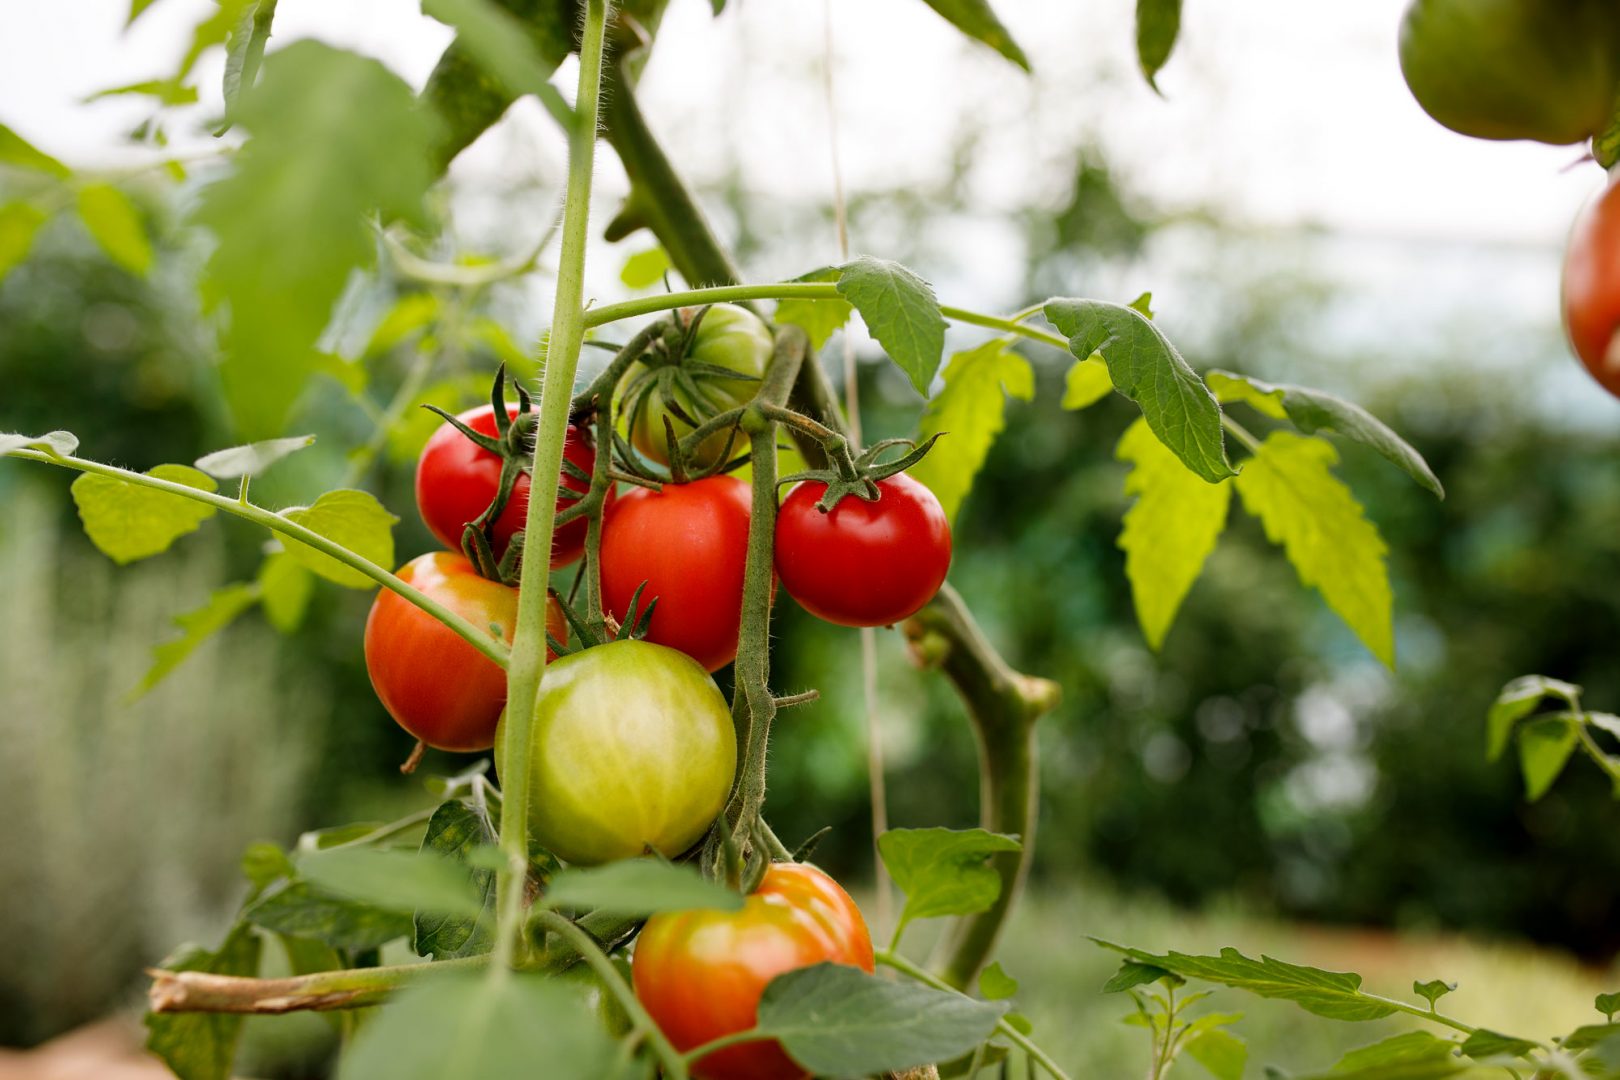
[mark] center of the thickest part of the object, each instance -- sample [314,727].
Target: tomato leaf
[1132,974]
[944,871]
[1321,527]
[995,984]
[1545,745]
[1317,410]
[970,411]
[1417,1055]
[899,309]
[1332,994]
[1158,24]
[817,318]
[1590,1035]
[244,49]
[353,519]
[838,1021]
[977,20]
[1169,531]
[1517,700]
[1485,1043]
[202,1046]
[1222,1053]
[465,1025]
[639,887]
[60,443]
[19,222]
[18,152]
[116,227]
[503,46]
[252,459]
[645,269]
[1087,383]
[1433,990]
[301,910]
[1607,1004]
[334,135]
[394,880]
[219,611]
[129,522]
[455,831]
[1146,368]
[284,590]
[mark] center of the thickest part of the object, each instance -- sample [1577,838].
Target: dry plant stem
[199,991]
[1003,705]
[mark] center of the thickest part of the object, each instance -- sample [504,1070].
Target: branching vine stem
[477,636]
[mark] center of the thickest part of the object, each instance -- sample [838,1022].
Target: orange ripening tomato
[700,974]
[1592,289]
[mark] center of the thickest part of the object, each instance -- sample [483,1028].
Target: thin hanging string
[852,407]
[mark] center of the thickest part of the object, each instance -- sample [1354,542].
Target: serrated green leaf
[454,832]
[334,135]
[19,222]
[219,611]
[353,519]
[639,887]
[251,459]
[1169,530]
[128,522]
[1158,24]
[1484,1043]
[1544,748]
[1222,1054]
[502,45]
[60,443]
[944,871]
[22,154]
[1517,700]
[202,1046]
[1132,974]
[1317,410]
[1321,527]
[838,1021]
[995,984]
[899,309]
[645,269]
[116,227]
[1433,990]
[394,880]
[977,20]
[970,411]
[1145,367]
[1087,383]
[1332,994]
[467,1027]
[301,910]
[284,590]
[817,318]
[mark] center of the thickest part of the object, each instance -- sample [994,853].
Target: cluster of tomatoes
[633,745]
[1547,70]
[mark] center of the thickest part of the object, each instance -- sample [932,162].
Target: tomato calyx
[859,476]
[634,628]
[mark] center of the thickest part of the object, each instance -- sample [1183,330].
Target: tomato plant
[700,974]
[863,563]
[684,546]
[633,749]
[1592,289]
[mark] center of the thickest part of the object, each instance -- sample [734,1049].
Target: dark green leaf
[18,152]
[394,880]
[1316,410]
[899,309]
[116,227]
[944,871]
[838,1021]
[502,45]
[129,522]
[1220,1052]
[202,1046]
[300,909]
[352,519]
[639,887]
[995,984]
[1146,368]
[970,411]
[1406,1049]
[1544,748]
[1433,990]
[1158,24]
[468,1027]
[1608,1004]
[252,459]
[1518,700]
[818,318]
[1132,974]
[19,221]
[977,20]
[61,443]
[1590,1035]
[1488,1044]
[454,831]
[219,611]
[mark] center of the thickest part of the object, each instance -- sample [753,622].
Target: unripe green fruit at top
[1514,69]
[728,337]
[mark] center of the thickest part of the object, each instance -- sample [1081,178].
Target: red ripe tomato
[864,563]
[700,974]
[456,481]
[688,542]
[430,679]
[1592,289]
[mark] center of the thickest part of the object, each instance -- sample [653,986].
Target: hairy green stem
[477,636]
[556,392]
[1012,1034]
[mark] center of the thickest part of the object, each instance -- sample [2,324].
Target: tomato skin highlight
[700,974]
[864,563]
[689,543]
[456,480]
[431,680]
[633,746]
[1591,291]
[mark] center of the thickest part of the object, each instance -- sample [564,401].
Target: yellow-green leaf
[645,269]
[1288,485]
[818,318]
[19,222]
[1087,383]
[1544,748]
[352,519]
[1231,388]
[284,590]
[116,226]
[220,610]
[969,412]
[128,521]
[1170,529]
[19,152]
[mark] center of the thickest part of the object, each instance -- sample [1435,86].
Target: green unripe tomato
[633,747]
[584,980]
[1514,69]
[728,337]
